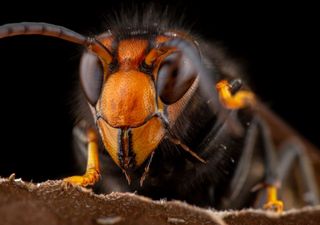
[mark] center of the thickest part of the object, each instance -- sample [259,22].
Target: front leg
[92,173]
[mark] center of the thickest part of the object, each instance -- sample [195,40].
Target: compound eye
[175,77]
[91,76]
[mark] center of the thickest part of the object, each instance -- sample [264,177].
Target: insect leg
[272,180]
[234,99]
[92,173]
[293,151]
[238,185]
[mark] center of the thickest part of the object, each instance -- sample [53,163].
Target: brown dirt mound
[55,202]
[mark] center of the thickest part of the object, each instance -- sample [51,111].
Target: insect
[166,120]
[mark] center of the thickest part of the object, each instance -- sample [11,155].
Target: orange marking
[239,100]
[131,52]
[103,55]
[109,137]
[161,39]
[151,57]
[157,54]
[146,138]
[128,98]
[107,41]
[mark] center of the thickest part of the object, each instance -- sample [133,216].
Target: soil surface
[55,203]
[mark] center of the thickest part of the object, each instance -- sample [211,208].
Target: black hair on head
[145,19]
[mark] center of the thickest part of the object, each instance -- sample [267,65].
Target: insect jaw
[126,157]
[129,147]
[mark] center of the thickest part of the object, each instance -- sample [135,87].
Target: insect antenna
[51,30]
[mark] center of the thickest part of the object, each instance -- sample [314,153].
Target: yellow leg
[239,100]
[92,174]
[272,200]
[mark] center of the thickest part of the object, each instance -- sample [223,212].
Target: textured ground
[54,202]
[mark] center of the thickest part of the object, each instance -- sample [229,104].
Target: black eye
[91,76]
[175,77]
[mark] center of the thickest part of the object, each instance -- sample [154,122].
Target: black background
[277,44]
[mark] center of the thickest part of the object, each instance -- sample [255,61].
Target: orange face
[128,107]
